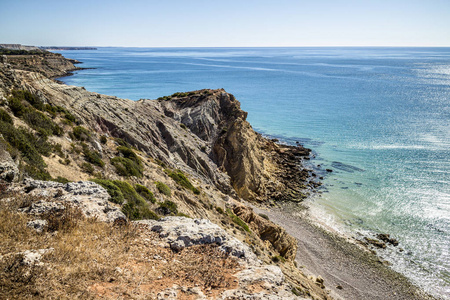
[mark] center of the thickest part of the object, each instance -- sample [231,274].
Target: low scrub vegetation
[92,156]
[167,208]
[32,143]
[87,167]
[5,117]
[163,189]
[134,206]
[180,178]
[128,164]
[81,133]
[113,191]
[145,193]
[30,146]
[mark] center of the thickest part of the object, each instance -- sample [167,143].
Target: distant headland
[34,48]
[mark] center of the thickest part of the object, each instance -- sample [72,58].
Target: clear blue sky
[212,23]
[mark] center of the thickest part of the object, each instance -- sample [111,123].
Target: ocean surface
[378,117]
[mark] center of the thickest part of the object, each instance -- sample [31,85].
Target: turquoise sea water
[379,117]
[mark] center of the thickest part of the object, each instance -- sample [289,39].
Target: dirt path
[360,274]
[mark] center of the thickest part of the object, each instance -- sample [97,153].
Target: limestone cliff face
[216,118]
[252,162]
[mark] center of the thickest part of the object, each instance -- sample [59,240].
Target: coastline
[360,273]
[348,270]
[353,261]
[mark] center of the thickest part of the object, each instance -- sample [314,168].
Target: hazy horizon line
[312,46]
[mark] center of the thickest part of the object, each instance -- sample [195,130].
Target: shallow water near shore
[378,117]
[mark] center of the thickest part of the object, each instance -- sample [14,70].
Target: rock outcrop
[181,232]
[88,196]
[277,236]
[8,168]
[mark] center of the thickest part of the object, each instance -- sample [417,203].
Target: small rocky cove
[104,197]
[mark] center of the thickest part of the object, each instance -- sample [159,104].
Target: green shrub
[160,163]
[296,292]
[87,167]
[278,258]
[58,149]
[30,98]
[167,208]
[75,149]
[30,146]
[219,210]
[37,172]
[127,167]
[5,117]
[135,207]
[93,157]
[81,133]
[182,180]
[136,212]
[41,123]
[50,109]
[129,153]
[103,139]
[179,94]
[121,142]
[64,161]
[16,107]
[145,193]
[238,220]
[111,188]
[180,214]
[129,193]
[61,179]
[69,117]
[163,189]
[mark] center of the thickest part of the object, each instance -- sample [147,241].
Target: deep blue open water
[378,117]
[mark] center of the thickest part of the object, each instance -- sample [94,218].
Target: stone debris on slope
[90,197]
[256,281]
[181,232]
[30,257]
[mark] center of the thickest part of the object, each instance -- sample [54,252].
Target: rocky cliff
[199,132]
[190,154]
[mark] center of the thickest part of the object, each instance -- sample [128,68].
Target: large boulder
[8,169]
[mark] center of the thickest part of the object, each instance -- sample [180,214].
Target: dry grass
[93,259]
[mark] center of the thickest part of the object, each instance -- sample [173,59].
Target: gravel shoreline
[349,271]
